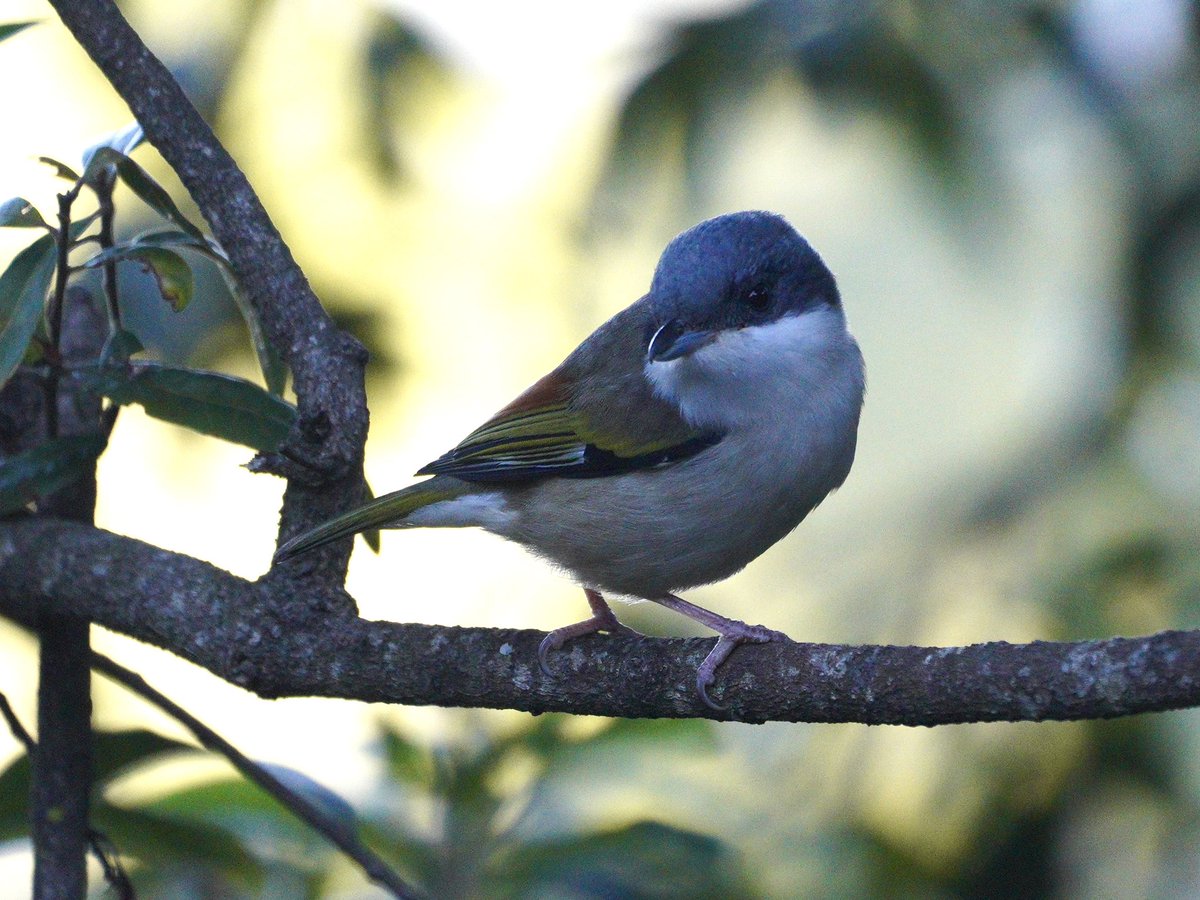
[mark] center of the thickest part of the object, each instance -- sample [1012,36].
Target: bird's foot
[733,633]
[602,619]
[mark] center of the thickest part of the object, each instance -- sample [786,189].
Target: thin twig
[300,806]
[110,863]
[14,725]
[54,315]
[103,189]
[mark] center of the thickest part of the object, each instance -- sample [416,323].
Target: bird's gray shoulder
[609,388]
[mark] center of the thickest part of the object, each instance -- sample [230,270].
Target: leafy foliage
[45,469]
[480,842]
[156,250]
[857,54]
[223,406]
[396,56]
[19,213]
[135,177]
[23,288]
[61,169]
[171,272]
[114,753]
[208,402]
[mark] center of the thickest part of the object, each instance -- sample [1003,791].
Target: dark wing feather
[594,415]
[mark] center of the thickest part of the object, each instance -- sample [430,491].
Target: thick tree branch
[240,631]
[327,365]
[62,763]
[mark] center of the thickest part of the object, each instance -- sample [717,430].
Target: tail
[382,512]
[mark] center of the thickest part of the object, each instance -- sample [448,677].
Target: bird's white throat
[746,370]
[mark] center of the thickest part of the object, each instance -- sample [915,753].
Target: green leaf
[371,535]
[79,226]
[230,800]
[35,352]
[155,195]
[618,739]
[645,859]
[399,69]
[243,808]
[19,213]
[878,67]
[116,751]
[171,237]
[170,270]
[14,796]
[61,169]
[139,181]
[46,468]
[333,805]
[158,839]
[273,369]
[119,347]
[8,29]
[219,405]
[122,142]
[23,288]
[407,761]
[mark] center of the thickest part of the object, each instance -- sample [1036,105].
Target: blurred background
[1009,195]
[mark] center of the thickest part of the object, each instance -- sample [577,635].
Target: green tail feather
[379,513]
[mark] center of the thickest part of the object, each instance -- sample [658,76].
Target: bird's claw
[559,636]
[731,633]
[736,634]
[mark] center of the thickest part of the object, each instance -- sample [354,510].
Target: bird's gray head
[733,272]
[741,319]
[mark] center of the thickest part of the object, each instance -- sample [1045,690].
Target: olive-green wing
[549,432]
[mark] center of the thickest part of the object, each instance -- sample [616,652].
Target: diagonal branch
[242,632]
[341,835]
[327,365]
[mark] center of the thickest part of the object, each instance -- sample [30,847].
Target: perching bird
[684,437]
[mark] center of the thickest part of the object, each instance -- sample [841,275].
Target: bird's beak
[672,341]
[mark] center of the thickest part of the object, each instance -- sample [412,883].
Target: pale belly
[650,533]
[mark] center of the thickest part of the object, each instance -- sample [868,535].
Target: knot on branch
[353,349]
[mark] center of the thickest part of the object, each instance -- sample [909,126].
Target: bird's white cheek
[747,370]
[709,387]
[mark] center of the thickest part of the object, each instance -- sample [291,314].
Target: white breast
[750,373]
[787,395]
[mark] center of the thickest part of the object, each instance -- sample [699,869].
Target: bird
[683,438]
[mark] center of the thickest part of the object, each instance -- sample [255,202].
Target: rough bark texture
[242,632]
[323,457]
[62,763]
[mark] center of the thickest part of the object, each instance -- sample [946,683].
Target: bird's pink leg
[732,633]
[603,619]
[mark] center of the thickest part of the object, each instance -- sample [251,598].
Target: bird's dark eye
[758,298]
